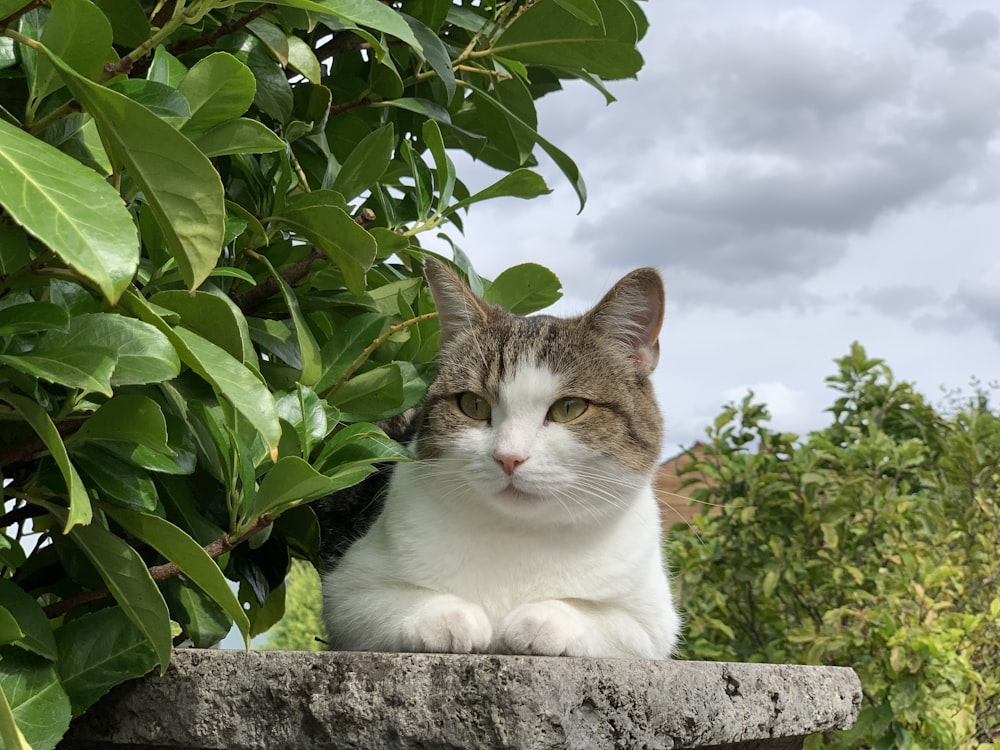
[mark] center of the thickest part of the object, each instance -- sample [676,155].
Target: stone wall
[283,700]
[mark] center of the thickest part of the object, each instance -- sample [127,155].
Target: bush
[210,287]
[871,543]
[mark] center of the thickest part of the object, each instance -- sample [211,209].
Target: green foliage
[210,288]
[870,544]
[301,629]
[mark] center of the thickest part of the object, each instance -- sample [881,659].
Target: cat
[527,523]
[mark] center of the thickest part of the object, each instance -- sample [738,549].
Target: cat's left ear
[456,305]
[632,312]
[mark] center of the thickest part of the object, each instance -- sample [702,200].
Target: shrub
[870,543]
[210,287]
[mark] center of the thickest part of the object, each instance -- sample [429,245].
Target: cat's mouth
[514,493]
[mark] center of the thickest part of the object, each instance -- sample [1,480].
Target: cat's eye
[474,406]
[567,409]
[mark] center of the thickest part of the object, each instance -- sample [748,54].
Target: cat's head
[544,418]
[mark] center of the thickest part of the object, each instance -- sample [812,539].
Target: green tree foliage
[210,288]
[301,629]
[870,544]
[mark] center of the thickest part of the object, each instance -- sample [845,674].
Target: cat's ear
[632,312]
[458,308]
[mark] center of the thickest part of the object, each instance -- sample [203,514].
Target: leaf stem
[359,360]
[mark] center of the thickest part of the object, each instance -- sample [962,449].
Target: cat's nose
[509,461]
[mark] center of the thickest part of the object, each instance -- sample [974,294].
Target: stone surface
[285,700]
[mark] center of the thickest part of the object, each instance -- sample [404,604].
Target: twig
[158,572]
[251,300]
[359,360]
[30,450]
[225,30]
[336,109]
[17,14]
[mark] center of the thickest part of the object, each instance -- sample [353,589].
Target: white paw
[448,624]
[548,628]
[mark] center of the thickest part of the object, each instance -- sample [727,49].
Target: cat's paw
[547,628]
[448,624]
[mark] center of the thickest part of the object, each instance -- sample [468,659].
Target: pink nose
[509,462]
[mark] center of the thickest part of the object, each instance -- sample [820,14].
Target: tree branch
[251,300]
[30,450]
[17,14]
[158,572]
[225,30]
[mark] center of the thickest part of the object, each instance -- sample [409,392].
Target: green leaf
[366,163]
[27,613]
[33,694]
[334,232]
[347,344]
[115,480]
[166,68]
[10,631]
[179,182]
[79,34]
[309,353]
[239,136]
[99,651]
[235,382]
[521,183]
[290,482]
[16,253]
[587,11]
[143,354]
[162,100]
[10,733]
[135,419]
[444,174]
[89,370]
[424,107]
[436,55]
[70,209]
[553,34]
[218,88]
[370,13]
[184,552]
[128,580]
[80,511]
[203,621]
[128,21]
[565,164]
[32,316]
[214,317]
[371,394]
[302,60]
[524,289]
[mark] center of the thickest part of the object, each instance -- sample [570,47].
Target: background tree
[210,287]
[871,543]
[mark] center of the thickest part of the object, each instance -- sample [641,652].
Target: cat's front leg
[447,624]
[546,628]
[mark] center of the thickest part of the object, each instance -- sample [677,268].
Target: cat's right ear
[458,308]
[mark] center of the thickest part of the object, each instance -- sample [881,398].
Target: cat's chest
[501,565]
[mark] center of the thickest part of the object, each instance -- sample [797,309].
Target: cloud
[981,298]
[899,300]
[968,38]
[790,409]
[767,147]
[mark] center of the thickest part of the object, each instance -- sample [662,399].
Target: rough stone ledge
[260,700]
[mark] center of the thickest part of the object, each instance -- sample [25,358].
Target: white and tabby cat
[527,524]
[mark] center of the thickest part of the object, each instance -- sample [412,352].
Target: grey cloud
[969,38]
[927,25]
[981,298]
[899,300]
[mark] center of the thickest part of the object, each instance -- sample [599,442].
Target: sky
[803,175]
